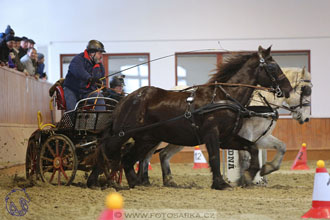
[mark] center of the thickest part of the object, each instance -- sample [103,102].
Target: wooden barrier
[21,98]
[315,133]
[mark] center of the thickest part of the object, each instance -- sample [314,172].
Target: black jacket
[4,52]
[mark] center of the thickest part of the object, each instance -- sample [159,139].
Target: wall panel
[22,97]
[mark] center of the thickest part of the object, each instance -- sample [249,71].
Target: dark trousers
[71,99]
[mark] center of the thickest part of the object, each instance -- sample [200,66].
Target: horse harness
[230,104]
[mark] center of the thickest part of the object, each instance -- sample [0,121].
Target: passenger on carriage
[116,88]
[84,76]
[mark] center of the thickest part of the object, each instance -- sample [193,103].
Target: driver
[84,76]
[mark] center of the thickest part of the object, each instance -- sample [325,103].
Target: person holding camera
[84,77]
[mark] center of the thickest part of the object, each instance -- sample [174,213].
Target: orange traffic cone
[114,207]
[321,194]
[137,166]
[300,163]
[199,159]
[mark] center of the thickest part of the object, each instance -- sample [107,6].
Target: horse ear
[303,71]
[267,52]
[260,51]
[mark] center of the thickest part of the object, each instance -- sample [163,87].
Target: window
[134,67]
[194,69]
[65,60]
[298,59]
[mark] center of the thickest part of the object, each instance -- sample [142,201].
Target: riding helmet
[95,46]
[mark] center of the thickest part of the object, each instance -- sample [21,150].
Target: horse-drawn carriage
[55,154]
[208,114]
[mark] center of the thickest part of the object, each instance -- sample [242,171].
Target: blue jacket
[81,69]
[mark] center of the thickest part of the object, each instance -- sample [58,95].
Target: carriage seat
[59,98]
[57,89]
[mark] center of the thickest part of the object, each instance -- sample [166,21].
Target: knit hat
[25,38]
[17,38]
[9,38]
[9,31]
[31,41]
[40,56]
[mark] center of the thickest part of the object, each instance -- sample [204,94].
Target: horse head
[300,97]
[270,74]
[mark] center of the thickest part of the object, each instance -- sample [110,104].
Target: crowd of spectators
[19,53]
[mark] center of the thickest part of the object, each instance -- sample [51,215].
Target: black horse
[150,115]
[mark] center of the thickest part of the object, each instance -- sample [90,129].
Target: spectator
[28,61]
[41,66]
[8,31]
[18,65]
[24,47]
[31,43]
[6,47]
[85,71]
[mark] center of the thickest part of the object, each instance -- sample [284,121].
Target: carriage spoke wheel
[31,159]
[58,160]
[116,176]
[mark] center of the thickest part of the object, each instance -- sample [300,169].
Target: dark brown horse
[150,115]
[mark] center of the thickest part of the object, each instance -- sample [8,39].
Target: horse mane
[230,67]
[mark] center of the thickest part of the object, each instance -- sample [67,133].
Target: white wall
[164,27]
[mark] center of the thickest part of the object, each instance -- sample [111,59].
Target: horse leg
[92,180]
[250,173]
[244,161]
[138,151]
[143,168]
[103,155]
[268,143]
[165,155]
[212,144]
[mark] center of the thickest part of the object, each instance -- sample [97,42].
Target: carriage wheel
[58,160]
[31,160]
[116,175]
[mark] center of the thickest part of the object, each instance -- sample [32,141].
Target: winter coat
[28,65]
[17,61]
[109,93]
[22,52]
[4,52]
[81,69]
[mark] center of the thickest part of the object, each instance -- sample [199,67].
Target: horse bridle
[270,69]
[306,90]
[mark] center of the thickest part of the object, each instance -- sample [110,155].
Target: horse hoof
[145,183]
[245,180]
[267,168]
[92,185]
[132,184]
[169,182]
[221,186]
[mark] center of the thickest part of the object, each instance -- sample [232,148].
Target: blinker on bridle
[277,90]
